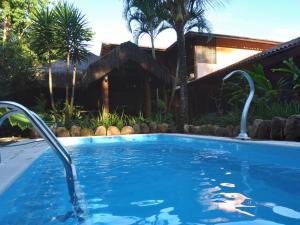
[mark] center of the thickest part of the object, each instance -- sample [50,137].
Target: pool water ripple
[158,182]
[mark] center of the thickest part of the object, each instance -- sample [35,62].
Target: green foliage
[282,109]
[145,17]
[237,91]
[118,120]
[42,34]
[71,31]
[291,69]
[18,120]
[17,69]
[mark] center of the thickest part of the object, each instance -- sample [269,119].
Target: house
[270,58]
[125,78]
[136,80]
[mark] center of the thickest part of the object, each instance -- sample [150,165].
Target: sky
[277,20]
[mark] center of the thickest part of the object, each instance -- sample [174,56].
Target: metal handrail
[243,129]
[51,139]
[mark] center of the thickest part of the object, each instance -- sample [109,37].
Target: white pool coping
[17,157]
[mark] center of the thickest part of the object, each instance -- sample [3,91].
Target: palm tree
[145,17]
[43,42]
[81,35]
[71,34]
[63,28]
[183,16]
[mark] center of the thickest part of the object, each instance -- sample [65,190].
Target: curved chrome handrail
[243,130]
[51,139]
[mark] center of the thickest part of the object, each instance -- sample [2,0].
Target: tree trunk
[182,73]
[73,86]
[67,113]
[6,30]
[50,84]
[154,57]
[67,78]
[152,47]
[105,97]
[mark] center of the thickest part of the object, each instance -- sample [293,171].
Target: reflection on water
[171,182]
[228,202]
[164,217]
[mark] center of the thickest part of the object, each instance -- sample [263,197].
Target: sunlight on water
[174,181]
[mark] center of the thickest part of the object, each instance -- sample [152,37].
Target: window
[205,54]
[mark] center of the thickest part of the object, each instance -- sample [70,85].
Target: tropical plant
[293,73]
[16,16]
[81,34]
[43,41]
[236,92]
[183,16]
[18,120]
[145,17]
[71,34]
[17,69]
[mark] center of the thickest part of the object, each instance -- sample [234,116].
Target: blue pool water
[161,179]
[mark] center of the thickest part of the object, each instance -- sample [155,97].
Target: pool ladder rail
[50,138]
[243,129]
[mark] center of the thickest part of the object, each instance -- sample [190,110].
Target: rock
[194,129]
[236,131]
[75,131]
[33,134]
[144,128]
[137,129]
[163,128]
[86,132]
[292,128]
[277,128]
[254,129]
[53,129]
[62,132]
[100,131]
[230,128]
[208,129]
[127,130]
[186,128]
[264,130]
[112,130]
[172,129]
[153,127]
[223,132]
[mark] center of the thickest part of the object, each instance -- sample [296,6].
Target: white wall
[224,57]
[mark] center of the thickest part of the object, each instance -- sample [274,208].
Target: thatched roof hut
[122,54]
[59,71]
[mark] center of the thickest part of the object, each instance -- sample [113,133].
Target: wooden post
[147,98]
[105,96]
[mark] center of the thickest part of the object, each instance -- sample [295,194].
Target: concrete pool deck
[16,158]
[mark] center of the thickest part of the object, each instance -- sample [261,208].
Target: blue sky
[277,20]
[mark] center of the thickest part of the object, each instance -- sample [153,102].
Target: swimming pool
[162,179]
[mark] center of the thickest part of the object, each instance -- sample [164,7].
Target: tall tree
[16,18]
[72,35]
[145,17]
[81,35]
[63,32]
[43,41]
[183,16]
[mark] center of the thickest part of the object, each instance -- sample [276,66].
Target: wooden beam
[105,96]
